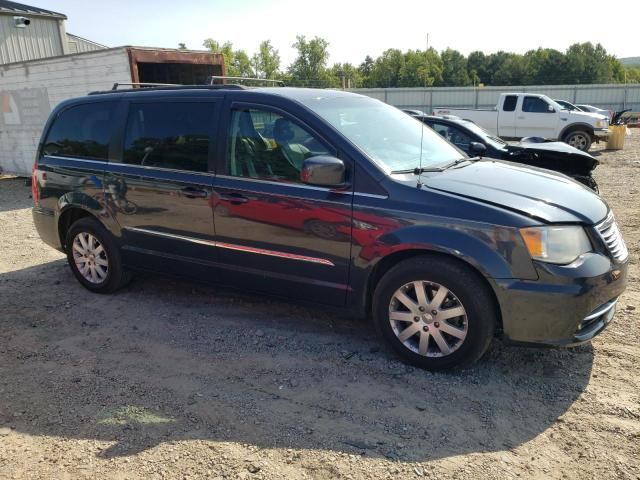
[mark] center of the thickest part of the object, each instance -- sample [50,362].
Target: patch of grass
[129,414]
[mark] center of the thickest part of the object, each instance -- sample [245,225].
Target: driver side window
[264,144]
[455,135]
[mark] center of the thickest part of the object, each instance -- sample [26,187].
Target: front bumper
[567,305]
[601,133]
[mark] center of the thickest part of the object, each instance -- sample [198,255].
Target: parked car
[413,112]
[519,115]
[568,105]
[592,109]
[556,156]
[442,251]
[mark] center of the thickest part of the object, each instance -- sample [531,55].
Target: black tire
[116,276]
[579,139]
[469,291]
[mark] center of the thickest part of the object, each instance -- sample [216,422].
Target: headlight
[599,123]
[559,244]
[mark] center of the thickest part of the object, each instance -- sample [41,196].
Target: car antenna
[418,170]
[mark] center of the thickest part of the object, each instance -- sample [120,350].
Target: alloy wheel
[428,318]
[578,141]
[90,258]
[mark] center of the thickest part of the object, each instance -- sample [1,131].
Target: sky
[356,28]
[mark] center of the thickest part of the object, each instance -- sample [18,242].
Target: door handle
[191,192]
[234,198]
[521,118]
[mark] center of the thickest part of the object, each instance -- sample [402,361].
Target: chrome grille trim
[612,238]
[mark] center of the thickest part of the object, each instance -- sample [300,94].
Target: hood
[551,147]
[557,156]
[542,194]
[587,117]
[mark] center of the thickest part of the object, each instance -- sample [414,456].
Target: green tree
[310,66]
[454,69]
[546,66]
[182,46]
[478,68]
[387,69]
[587,63]
[267,60]
[345,75]
[226,49]
[421,68]
[365,71]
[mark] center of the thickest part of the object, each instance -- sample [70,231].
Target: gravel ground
[175,380]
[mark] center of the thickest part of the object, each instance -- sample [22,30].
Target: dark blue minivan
[328,197]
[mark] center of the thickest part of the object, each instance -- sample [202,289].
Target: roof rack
[138,84]
[213,78]
[167,86]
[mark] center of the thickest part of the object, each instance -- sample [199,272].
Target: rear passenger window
[510,103]
[169,135]
[82,131]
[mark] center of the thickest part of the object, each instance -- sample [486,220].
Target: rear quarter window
[81,131]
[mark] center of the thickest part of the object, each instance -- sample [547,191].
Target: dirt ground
[174,380]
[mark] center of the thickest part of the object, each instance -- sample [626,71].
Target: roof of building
[22,9]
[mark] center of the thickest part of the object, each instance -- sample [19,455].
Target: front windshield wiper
[459,161]
[417,170]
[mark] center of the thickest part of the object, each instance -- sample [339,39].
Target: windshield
[496,142]
[385,134]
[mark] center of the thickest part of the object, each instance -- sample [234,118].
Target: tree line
[581,63]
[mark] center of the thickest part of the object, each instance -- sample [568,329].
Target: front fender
[576,126]
[496,251]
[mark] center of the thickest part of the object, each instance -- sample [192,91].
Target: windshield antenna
[424,102]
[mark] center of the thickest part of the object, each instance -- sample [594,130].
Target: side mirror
[323,170]
[551,109]
[478,149]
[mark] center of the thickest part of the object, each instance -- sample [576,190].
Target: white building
[31,33]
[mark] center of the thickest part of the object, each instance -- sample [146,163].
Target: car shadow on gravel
[166,361]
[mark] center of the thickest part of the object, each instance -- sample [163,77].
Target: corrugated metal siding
[79,45]
[39,40]
[609,97]
[29,91]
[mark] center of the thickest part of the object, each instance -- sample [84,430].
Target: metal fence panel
[609,97]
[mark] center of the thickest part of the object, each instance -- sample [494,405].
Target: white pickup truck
[519,115]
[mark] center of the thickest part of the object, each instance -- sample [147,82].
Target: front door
[160,193]
[274,233]
[537,118]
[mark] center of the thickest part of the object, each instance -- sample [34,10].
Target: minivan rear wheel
[435,313]
[94,257]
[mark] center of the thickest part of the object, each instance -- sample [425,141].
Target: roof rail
[213,78]
[169,86]
[143,84]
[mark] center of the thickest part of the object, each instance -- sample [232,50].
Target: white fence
[609,97]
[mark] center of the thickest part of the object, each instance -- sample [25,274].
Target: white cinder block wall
[30,90]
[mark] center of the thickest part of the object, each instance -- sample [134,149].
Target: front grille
[612,238]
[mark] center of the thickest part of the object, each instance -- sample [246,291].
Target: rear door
[160,190]
[274,233]
[507,116]
[537,118]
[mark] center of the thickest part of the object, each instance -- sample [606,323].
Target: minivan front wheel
[94,257]
[436,314]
